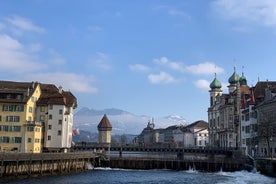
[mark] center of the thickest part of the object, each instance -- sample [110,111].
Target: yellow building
[19,132]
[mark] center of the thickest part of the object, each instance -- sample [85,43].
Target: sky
[147,57]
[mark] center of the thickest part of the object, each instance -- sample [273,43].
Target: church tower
[215,90]
[233,81]
[104,129]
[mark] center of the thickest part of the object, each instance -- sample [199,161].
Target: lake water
[119,176]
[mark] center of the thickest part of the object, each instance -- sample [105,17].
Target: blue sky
[148,57]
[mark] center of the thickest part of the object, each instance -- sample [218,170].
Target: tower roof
[215,84]
[243,80]
[234,78]
[105,124]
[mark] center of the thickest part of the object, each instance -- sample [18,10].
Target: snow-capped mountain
[123,122]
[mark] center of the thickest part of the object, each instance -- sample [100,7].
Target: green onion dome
[234,79]
[243,80]
[215,84]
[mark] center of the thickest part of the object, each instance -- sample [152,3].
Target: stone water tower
[104,130]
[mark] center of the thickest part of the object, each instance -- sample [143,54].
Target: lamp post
[271,150]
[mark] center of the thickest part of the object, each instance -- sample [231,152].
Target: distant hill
[123,122]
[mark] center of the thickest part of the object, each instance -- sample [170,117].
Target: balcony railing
[33,123]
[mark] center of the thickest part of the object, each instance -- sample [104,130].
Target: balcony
[33,123]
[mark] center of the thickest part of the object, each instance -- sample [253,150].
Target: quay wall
[17,165]
[178,164]
[266,166]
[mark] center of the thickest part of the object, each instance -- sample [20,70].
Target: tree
[267,128]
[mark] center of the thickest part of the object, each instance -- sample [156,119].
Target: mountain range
[122,122]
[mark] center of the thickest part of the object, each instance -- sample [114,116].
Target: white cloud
[177,66]
[69,81]
[204,68]
[7,42]
[139,68]
[172,11]
[14,58]
[101,61]
[35,47]
[24,24]
[261,12]
[161,78]
[2,26]
[202,84]
[56,57]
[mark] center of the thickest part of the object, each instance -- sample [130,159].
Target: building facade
[25,113]
[193,135]
[224,112]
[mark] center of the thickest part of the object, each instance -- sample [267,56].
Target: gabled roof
[105,124]
[198,124]
[18,92]
[50,94]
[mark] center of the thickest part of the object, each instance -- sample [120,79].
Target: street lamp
[271,150]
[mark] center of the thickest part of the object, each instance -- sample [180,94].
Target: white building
[55,111]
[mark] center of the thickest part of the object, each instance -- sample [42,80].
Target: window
[60,121]
[59,132]
[4,128]
[37,129]
[30,109]
[50,116]
[4,139]
[60,111]
[29,140]
[50,127]
[5,108]
[42,117]
[247,129]
[199,143]
[37,141]
[16,139]
[51,106]
[33,99]
[12,108]
[0,118]
[42,109]
[49,137]
[15,128]
[12,118]
[30,129]
[20,108]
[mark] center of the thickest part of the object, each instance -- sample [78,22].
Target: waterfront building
[193,135]
[55,110]
[104,129]
[249,126]
[224,112]
[196,134]
[25,111]
[266,110]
